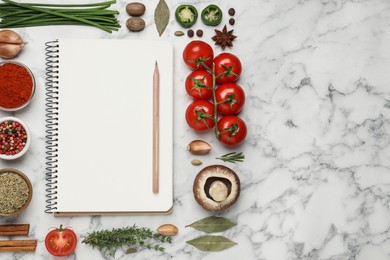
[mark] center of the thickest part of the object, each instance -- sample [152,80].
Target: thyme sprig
[108,241]
[232,157]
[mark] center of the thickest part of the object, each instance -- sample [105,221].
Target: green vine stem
[214,87]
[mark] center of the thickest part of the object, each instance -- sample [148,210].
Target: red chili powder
[16,85]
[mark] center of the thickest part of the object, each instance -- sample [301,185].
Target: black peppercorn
[199,33]
[232,11]
[190,33]
[232,21]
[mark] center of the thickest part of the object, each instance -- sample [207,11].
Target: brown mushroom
[216,187]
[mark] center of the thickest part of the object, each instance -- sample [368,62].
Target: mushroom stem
[218,191]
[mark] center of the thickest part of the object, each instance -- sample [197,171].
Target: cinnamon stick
[14,230]
[18,245]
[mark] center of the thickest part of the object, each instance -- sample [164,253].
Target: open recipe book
[100,126]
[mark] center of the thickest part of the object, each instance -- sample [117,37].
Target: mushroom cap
[206,177]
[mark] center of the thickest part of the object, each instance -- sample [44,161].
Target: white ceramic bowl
[25,148]
[33,87]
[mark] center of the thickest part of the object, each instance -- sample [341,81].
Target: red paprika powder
[16,85]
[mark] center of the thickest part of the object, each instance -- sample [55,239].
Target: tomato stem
[214,87]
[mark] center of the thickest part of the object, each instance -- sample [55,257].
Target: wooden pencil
[156,104]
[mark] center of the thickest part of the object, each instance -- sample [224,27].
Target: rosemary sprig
[108,241]
[232,157]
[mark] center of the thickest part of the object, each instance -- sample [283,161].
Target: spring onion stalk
[15,14]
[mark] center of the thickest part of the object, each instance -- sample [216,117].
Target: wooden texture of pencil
[156,104]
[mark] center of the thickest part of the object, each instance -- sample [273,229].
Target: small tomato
[232,130]
[199,84]
[199,115]
[227,68]
[61,241]
[196,53]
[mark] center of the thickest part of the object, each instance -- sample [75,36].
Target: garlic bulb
[10,44]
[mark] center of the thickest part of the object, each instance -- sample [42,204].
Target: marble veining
[316,179]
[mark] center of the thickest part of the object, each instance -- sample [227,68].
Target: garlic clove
[9,36]
[199,147]
[9,51]
[10,44]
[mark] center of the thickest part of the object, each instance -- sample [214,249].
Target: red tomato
[197,52]
[230,98]
[199,84]
[232,130]
[60,241]
[227,68]
[200,114]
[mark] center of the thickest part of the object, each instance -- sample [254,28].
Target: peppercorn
[232,21]
[190,33]
[232,11]
[13,137]
[199,33]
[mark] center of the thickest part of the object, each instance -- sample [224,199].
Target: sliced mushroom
[216,187]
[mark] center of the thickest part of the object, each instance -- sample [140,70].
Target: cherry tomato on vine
[227,68]
[232,130]
[61,241]
[230,99]
[200,114]
[199,84]
[197,52]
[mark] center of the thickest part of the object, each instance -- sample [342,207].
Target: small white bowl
[25,148]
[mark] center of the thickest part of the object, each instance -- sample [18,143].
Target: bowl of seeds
[15,138]
[15,192]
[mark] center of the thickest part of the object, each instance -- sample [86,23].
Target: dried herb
[224,38]
[232,157]
[211,243]
[14,192]
[161,16]
[212,224]
[108,241]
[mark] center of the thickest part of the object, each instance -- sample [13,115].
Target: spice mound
[16,85]
[14,192]
[13,137]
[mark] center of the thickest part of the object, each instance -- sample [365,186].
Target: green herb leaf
[232,157]
[108,241]
[161,16]
[212,224]
[211,243]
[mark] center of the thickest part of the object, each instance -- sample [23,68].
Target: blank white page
[105,126]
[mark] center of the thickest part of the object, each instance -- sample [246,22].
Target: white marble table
[316,179]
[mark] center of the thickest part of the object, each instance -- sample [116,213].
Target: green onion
[13,14]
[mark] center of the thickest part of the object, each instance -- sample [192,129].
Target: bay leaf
[161,16]
[211,243]
[212,224]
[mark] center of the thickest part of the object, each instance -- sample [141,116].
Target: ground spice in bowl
[15,192]
[17,86]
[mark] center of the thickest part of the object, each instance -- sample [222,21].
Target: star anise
[224,38]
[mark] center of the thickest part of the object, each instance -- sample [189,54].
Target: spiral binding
[52,55]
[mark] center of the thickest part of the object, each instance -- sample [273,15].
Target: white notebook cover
[105,126]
